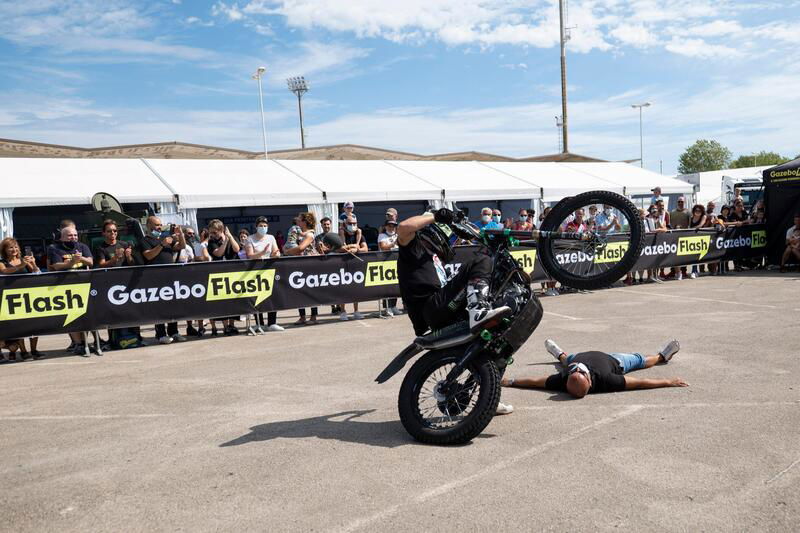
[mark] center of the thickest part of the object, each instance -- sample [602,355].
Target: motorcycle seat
[451,335]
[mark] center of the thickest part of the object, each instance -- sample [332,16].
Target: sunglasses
[578,367]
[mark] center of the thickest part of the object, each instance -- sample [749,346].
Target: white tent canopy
[362,181]
[555,180]
[637,181]
[468,180]
[29,182]
[225,183]
[205,183]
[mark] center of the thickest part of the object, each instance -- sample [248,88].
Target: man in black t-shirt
[160,249]
[597,372]
[112,252]
[68,254]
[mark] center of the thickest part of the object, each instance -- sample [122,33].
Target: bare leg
[652,360]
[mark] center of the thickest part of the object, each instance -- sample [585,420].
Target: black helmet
[438,239]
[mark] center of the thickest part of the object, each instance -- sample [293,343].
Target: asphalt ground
[288,431]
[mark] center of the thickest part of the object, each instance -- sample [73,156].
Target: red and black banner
[119,297]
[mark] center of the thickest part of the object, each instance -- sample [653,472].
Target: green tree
[762,158]
[703,156]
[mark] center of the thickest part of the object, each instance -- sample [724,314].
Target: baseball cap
[681,199]
[349,205]
[654,189]
[392,210]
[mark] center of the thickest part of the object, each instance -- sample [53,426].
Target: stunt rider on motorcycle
[432,300]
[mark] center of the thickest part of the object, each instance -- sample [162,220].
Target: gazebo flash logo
[248,284]
[699,245]
[71,301]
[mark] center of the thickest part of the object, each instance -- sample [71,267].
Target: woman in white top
[654,223]
[387,242]
[262,245]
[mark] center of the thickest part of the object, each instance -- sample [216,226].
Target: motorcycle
[451,393]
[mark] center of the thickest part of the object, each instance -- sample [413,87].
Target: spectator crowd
[174,244]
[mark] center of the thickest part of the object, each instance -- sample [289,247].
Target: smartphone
[172,229]
[28,251]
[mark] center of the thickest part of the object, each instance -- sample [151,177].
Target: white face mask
[262,230]
[523,218]
[486,219]
[351,228]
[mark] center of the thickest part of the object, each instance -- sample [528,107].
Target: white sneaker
[343,316]
[396,311]
[274,327]
[504,409]
[165,340]
[670,349]
[553,348]
[357,316]
[387,313]
[679,277]
[479,315]
[693,275]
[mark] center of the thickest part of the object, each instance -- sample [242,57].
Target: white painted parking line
[782,472]
[661,294]
[82,417]
[82,362]
[363,323]
[562,316]
[491,469]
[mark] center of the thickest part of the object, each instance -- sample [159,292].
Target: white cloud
[597,24]
[700,48]
[637,35]
[746,116]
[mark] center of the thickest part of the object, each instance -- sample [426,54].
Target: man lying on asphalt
[594,372]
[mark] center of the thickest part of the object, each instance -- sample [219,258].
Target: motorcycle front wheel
[612,245]
[435,414]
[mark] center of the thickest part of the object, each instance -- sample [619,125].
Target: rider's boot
[480,310]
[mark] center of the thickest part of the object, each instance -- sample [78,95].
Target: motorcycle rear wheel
[455,418]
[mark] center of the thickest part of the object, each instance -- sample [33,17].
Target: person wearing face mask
[387,242]
[351,234]
[69,254]
[160,248]
[654,224]
[525,221]
[487,220]
[607,222]
[262,245]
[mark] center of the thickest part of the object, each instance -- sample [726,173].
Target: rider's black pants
[447,305]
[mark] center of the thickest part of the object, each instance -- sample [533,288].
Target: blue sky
[425,76]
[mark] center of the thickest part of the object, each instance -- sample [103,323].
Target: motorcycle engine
[514,296]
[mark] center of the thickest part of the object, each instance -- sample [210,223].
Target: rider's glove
[443,216]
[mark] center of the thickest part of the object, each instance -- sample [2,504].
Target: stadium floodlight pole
[641,143]
[299,86]
[257,76]
[564,38]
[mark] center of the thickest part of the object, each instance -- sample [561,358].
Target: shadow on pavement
[342,426]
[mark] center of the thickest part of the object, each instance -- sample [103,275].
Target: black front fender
[399,362]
